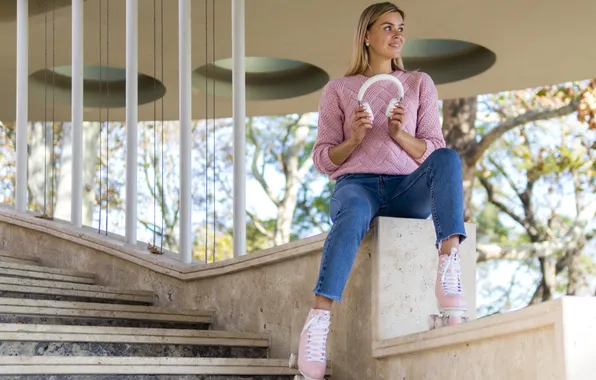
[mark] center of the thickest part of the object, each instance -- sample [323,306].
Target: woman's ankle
[322,303]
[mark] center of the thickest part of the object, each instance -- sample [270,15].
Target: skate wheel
[293,362]
[436,321]
[455,321]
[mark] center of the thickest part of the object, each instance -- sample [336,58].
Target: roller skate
[450,298]
[312,357]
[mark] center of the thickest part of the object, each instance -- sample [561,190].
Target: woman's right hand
[361,123]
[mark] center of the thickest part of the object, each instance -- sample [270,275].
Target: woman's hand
[396,121]
[361,123]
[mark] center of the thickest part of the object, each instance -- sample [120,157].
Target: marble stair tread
[45,273]
[77,312]
[13,287]
[18,258]
[129,335]
[63,365]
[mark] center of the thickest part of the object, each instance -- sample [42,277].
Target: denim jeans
[435,188]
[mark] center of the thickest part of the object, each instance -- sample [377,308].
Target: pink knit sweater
[377,153]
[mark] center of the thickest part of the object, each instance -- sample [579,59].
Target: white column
[239,116]
[184,74]
[76,205]
[22,102]
[132,105]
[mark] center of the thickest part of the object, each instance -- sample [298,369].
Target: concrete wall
[273,295]
[268,291]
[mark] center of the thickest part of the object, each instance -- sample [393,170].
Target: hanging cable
[154,124]
[45,109]
[213,114]
[162,138]
[44,214]
[100,110]
[153,247]
[206,130]
[107,116]
[52,155]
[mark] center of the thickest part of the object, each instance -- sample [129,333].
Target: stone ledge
[130,335]
[168,263]
[529,318]
[552,340]
[130,365]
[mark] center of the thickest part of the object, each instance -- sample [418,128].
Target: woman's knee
[446,161]
[446,155]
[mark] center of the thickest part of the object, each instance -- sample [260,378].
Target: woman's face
[385,36]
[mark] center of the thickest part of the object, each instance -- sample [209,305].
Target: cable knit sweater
[378,153]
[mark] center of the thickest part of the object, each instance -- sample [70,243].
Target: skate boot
[450,298]
[312,357]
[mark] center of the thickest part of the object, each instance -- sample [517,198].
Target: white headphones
[376,78]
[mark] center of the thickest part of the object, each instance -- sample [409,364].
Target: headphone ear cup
[392,104]
[369,110]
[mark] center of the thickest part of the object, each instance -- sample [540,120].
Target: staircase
[58,324]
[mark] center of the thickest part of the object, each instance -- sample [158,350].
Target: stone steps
[56,324]
[44,273]
[19,259]
[14,287]
[100,314]
[111,368]
[52,340]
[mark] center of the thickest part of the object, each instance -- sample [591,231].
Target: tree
[512,110]
[282,145]
[538,181]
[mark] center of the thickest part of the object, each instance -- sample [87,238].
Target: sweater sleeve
[330,129]
[429,126]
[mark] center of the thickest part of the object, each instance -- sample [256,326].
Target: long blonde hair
[359,61]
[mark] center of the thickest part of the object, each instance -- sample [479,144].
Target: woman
[396,166]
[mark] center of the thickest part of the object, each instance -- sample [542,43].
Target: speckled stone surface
[51,320]
[8,348]
[146,377]
[31,296]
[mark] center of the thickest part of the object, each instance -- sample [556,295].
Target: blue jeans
[436,188]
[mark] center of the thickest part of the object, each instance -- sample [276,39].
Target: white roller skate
[311,360]
[450,298]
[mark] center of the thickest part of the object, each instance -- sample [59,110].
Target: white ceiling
[536,42]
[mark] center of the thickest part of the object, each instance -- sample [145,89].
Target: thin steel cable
[45,108]
[107,116]
[100,114]
[162,138]
[52,156]
[154,124]
[206,129]
[213,159]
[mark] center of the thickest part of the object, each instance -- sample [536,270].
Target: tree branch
[490,193]
[306,210]
[259,226]
[305,167]
[571,240]
[487,252]
[254,166]
[501,170]
[526,117]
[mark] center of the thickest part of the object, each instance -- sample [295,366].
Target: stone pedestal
[404,269]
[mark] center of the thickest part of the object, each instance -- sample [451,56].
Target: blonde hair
[359,61]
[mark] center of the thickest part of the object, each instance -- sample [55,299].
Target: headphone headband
[377,78]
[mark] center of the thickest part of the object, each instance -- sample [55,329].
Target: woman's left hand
[396,122]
